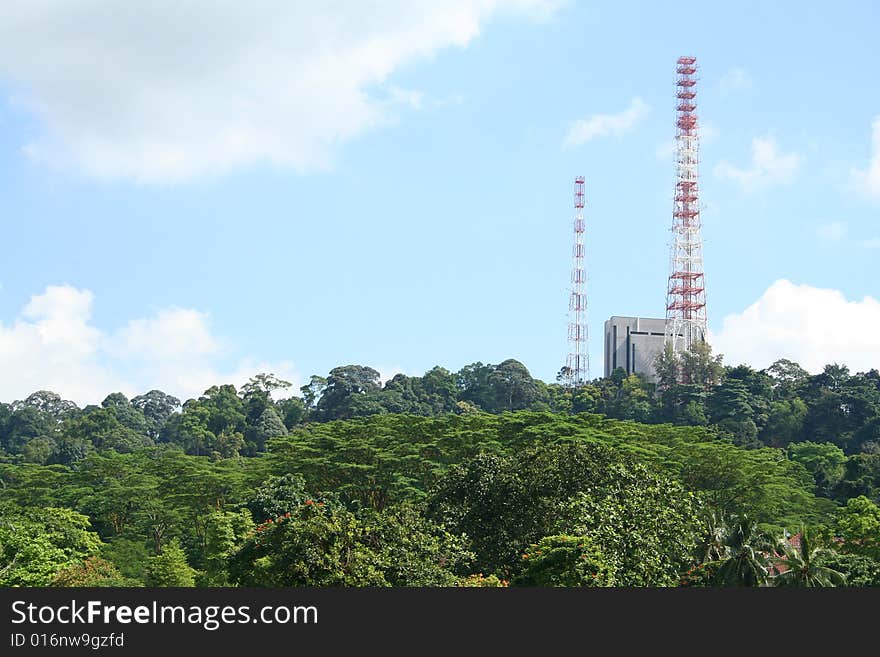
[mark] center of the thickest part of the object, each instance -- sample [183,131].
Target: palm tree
[712,546]
[799,567]
[746,565]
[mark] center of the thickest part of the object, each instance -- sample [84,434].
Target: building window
[614,352]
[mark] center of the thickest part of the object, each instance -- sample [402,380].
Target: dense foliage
[483,477]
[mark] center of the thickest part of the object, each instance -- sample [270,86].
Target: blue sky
[191,196]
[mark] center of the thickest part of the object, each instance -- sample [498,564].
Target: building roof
[776,568]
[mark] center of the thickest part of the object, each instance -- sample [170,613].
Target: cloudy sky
[197,191]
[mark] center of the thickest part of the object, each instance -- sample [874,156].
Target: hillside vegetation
[485,477]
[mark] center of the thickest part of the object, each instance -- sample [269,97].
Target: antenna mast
[686,321]
[577,367]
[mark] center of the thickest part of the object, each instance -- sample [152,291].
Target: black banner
[334,621]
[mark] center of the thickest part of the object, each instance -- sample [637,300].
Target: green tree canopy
[35,544]
[858,525]
[565,561]
[170,568]
[506,503]
[824,461]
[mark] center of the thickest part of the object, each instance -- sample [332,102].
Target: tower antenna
[577,368]
[686,321]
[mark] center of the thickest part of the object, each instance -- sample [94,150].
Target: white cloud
[600,125]
[769,166]
[873,243]
[165,91]
[735,79]
[868,180]
[410,97]
[809,325]
[832,232]
[53,345]
[171,334]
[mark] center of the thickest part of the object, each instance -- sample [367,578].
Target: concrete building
[633,343]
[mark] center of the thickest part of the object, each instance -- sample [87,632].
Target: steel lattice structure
[686,320]
[577,366]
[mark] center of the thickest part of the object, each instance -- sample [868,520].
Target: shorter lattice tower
[577,368]
[686,320]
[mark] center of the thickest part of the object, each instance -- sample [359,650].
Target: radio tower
[577,368]
[686,293]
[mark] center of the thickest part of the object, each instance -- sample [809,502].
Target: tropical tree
[565,561]
[823,460]
[346,387]
[102,428]
[48,403]
[276,496]
[514,388]
[268,425]
[699,367]
[292,411]
[24,423]
[711,544]
[786,376]
[862,478]
[785,422]
[440,389]
[643,522]
[170,568]
[94,571]
[36,543]
[413,550]
[858,570]
[666,367]
[157,407]
[858,525]
[746,565]
[729,407]
[313,545]
[224,530]
[801,566]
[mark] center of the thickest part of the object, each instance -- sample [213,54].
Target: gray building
[633,343]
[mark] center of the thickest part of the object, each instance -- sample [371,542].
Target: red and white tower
[577,367]
[686,321]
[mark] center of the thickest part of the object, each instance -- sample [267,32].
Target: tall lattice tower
[577,368]
[686,321]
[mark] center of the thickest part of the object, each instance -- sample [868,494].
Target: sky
[196,192]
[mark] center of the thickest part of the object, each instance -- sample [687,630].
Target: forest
[485,477]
